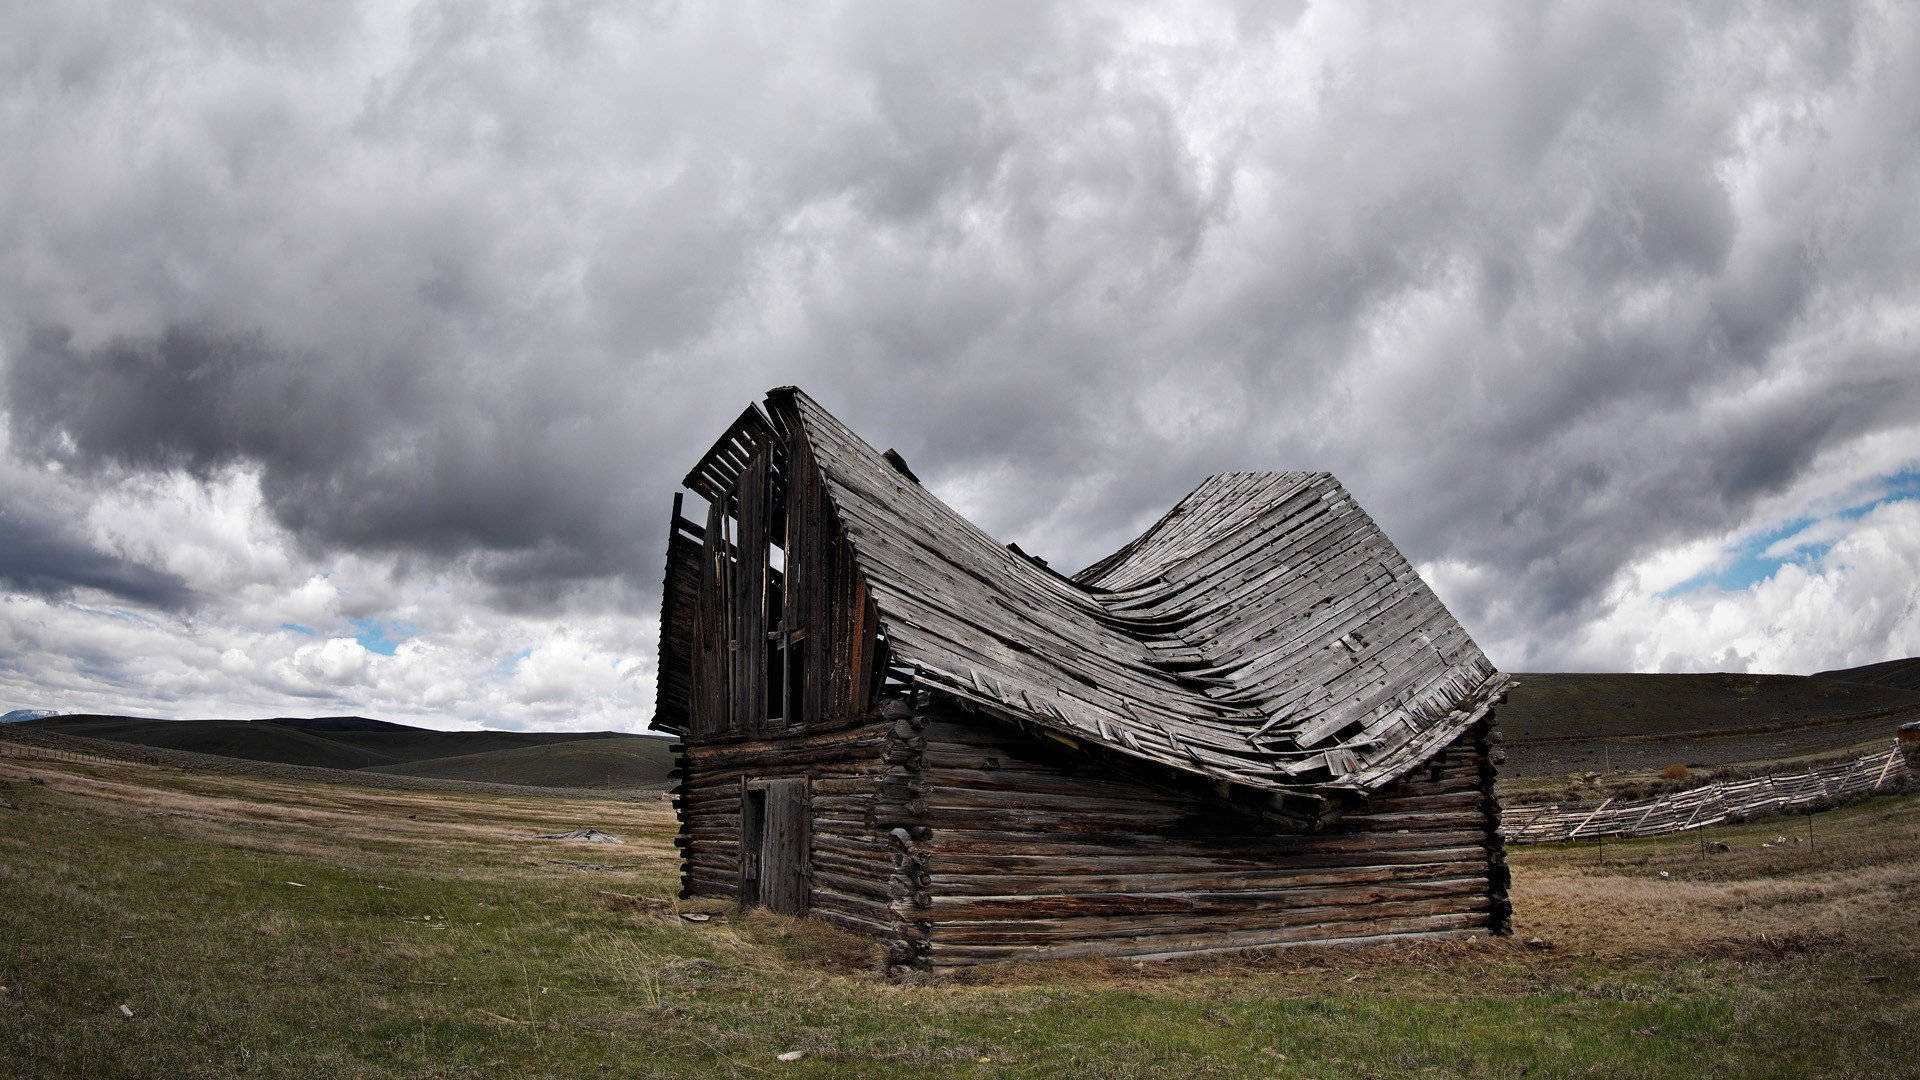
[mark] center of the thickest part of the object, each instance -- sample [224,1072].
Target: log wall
[1030,854]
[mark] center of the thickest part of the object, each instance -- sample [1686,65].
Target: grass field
[257,927]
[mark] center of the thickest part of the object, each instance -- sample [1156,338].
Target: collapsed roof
[1264,633]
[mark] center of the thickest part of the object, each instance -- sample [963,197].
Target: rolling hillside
[584,759]
[1558,723]
[1899,674]
[620,761]
[1557,705]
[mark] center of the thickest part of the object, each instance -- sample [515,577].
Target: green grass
[429,937]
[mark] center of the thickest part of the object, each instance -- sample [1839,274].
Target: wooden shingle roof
[1263,633]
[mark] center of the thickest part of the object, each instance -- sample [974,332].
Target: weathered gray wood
[1357,931]
[929,569]
[1019,853]
[679,599]
[1710,803]
[787,862]
[1253,724]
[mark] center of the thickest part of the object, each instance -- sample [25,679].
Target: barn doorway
[774,867]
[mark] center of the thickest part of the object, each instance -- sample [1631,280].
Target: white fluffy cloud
[272,635]
[1857,603]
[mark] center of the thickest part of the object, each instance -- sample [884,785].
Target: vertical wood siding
[827,597]
[748,645]
[827,608]
[679,597]
[712,630]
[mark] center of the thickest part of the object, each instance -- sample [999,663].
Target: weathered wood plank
[1345,932]
[1467,905]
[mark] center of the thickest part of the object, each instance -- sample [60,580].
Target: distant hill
[336,723]
[532,758]
[254,740]
[621,761]
[1556,704]
[21,716]
[1899,674]
[1559,722]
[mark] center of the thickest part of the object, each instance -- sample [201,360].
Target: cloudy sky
[350,354]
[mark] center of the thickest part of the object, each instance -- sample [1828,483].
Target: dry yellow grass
[482,834]
[1853,887]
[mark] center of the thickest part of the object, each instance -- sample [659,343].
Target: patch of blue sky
[1799,540]
[123,614]
[381,635]
[299,629]
[508,667]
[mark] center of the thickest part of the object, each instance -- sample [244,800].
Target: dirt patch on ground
[1853,886]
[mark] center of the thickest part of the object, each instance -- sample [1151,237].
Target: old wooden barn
[1252,726]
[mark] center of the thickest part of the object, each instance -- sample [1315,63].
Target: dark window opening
[776,586]
[775,687]
[780,695]
[796,653]
[753,824]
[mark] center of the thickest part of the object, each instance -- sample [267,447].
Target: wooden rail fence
[1708,804]
[22,748]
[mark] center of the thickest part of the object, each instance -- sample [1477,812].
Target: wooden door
[774,863]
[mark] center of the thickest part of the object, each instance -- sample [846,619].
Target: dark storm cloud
[1602,283]
[41,555]
[197,399]
[1529,279]
[367,456]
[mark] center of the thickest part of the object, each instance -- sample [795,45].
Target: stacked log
[849,863]
[865,844]
[900,806]
[1032,857]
